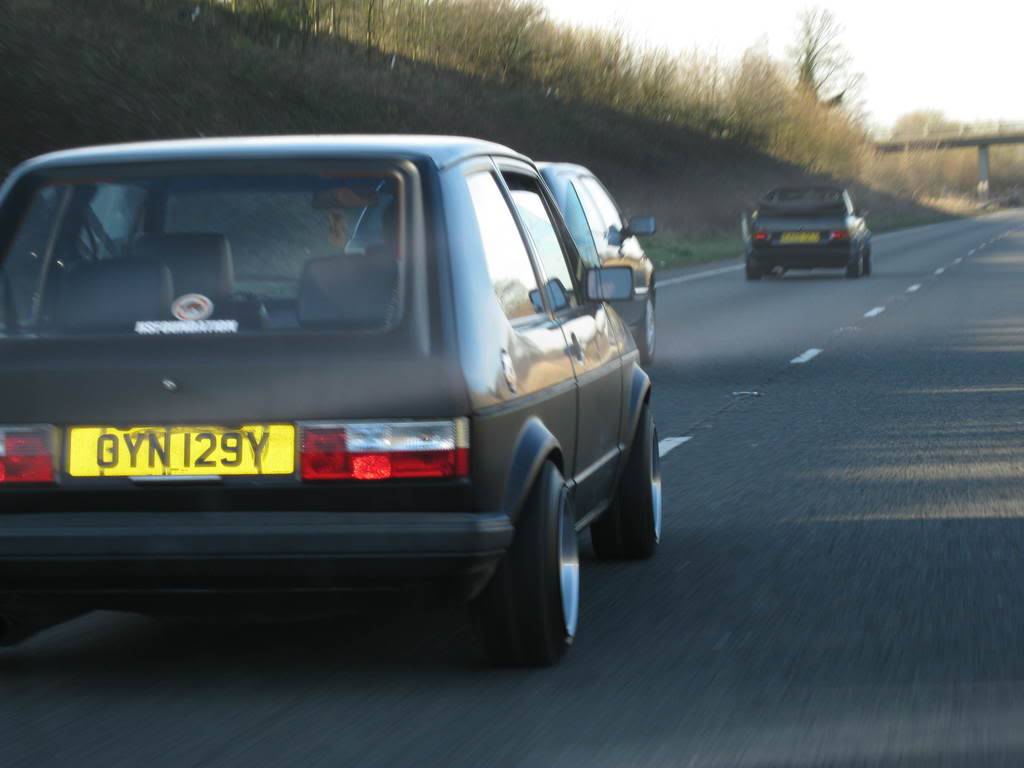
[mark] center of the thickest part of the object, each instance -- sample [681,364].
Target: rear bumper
[793,257]
[81,553]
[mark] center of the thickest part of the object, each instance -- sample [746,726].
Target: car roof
[444,151]
[564,168]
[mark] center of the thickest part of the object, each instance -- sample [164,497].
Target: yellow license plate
[260,449]
[802,238]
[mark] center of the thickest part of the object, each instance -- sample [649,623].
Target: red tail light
[840,234]
[761,237]
[26,454]
[385,450]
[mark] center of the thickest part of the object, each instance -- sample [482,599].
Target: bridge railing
[966,131]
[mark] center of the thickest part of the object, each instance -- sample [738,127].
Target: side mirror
[610,284]
[642,226]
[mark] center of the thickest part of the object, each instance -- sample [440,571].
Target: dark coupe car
[276,369]
[604,237]
[807,228]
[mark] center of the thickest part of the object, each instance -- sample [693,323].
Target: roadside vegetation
[689,138]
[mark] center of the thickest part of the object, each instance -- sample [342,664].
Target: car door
[591,342]
[514,350]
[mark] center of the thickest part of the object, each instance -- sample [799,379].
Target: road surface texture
[841,580]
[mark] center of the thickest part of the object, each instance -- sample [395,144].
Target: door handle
[576,349]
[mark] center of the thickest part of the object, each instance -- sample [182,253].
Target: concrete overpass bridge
[980,136]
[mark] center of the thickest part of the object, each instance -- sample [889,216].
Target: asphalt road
[841,580]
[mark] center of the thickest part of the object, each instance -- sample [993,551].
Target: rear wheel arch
[639,395]
[535,446]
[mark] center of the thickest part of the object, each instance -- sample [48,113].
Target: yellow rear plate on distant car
[799,238]
[260,449]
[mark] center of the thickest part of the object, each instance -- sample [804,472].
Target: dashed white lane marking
[671,443]
[806,357]
[940,270]
[699,275]
[914,287]
[874,312]
[958,259]
[971,252]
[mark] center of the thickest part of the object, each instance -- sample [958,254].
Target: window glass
[535,217]
[508,261]
[579,227]
[116,208]
[608,209]
[598,229]
[249,251]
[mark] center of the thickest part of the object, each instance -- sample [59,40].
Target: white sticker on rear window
[179,327]
[192,306]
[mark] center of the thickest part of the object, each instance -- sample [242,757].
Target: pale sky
[967,62]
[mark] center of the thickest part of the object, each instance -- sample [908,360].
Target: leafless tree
[821,62]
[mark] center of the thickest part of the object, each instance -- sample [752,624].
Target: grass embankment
[96,71]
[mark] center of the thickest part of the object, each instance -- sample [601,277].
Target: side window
[526,195]
[579,228]
[598,229]
[507,259]
[609,211]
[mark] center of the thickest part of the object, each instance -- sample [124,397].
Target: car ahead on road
[284,368]
[810,227]
[604,237]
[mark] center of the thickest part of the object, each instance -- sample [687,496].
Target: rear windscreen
[796,200]
[207,253]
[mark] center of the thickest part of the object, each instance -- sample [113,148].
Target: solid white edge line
[874,312]
[940,270]
[805,357]
[698,276]
[915,287]
[669,444]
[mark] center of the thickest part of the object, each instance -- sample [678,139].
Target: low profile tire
[752,272]
[645,340]
[867,261]
[528,613]
[631,528]
[856,267]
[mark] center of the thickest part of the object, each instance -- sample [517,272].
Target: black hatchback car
[812,227]
[332,366]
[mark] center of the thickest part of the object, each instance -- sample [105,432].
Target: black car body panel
[561,384]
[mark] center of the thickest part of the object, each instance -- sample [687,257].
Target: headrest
[113,295]
[199,263]
[348,292]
